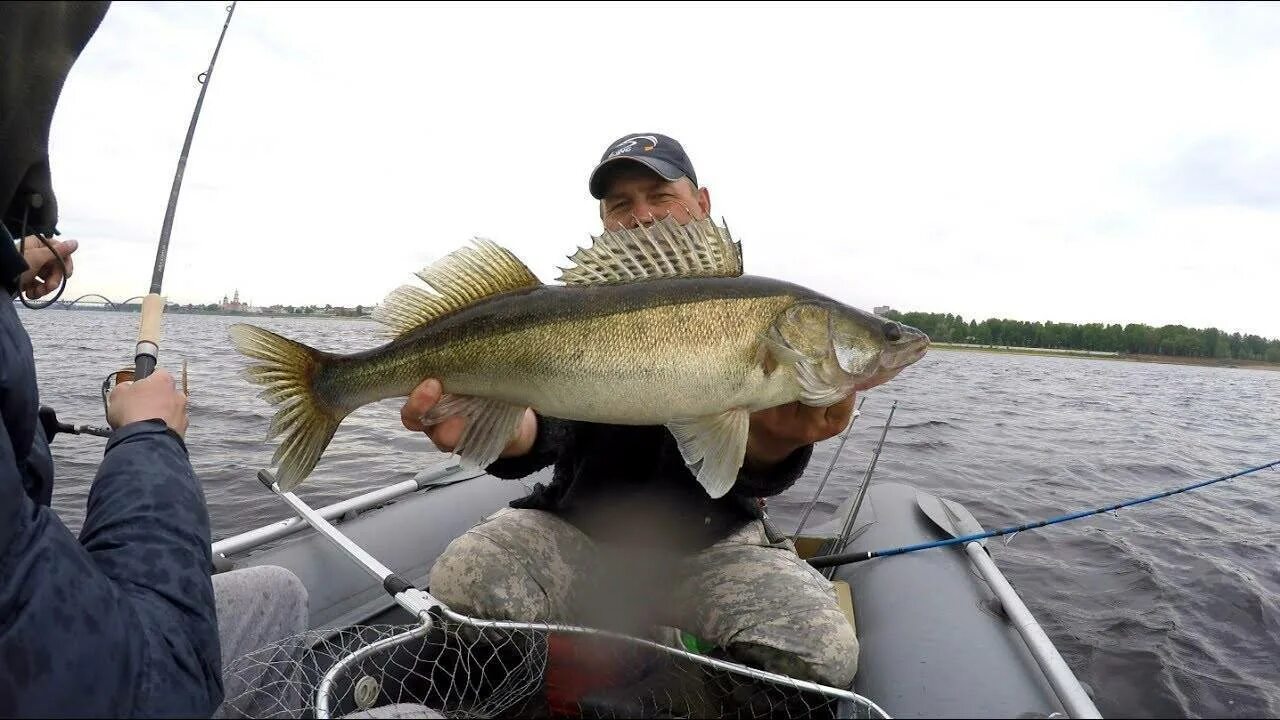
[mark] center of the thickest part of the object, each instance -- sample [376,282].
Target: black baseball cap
[659,153]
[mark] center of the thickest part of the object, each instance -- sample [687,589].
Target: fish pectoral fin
[823,382]
[490,426]
[450,405]
[713,447]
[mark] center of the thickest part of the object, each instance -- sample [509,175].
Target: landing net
[459,667]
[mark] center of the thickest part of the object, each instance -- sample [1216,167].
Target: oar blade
[952,517]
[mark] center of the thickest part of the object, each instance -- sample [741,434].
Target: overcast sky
[1081,163]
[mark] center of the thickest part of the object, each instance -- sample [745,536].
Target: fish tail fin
[288,370]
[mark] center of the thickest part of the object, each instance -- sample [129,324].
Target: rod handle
[49,420]
[148,336]
[152,310]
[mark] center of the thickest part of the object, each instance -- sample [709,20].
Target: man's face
[637,195]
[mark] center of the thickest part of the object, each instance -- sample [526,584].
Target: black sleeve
[776,479]
[553,436]
[123,622]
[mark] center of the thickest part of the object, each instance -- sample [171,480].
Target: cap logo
[626,146]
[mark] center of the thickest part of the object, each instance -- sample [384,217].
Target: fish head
[856,350]
[871,348]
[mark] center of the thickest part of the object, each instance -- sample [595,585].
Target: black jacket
[629,485]
[120,621]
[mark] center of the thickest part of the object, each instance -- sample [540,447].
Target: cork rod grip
[152,310]
[148,336]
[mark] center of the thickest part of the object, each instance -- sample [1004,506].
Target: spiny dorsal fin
[666,249]
[461,278]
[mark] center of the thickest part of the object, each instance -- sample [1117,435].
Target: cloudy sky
[1100,163]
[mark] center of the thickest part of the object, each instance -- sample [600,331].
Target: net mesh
[457,667]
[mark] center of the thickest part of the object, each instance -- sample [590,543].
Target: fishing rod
[818,493]
[866,478]
[846,529]
[853,557]
[148,347]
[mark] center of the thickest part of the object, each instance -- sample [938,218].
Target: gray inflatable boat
[942,633]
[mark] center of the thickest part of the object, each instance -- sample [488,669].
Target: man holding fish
[669,391]
[623,508]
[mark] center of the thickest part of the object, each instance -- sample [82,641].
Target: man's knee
[772,610]
[819,645]
[476,575]
[515,565]
[261,611]
[282,584]
[262,589]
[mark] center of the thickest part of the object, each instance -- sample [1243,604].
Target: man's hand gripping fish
[655,325]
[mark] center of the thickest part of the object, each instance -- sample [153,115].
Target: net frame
[386,662]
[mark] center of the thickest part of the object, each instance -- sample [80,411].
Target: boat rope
[852,557]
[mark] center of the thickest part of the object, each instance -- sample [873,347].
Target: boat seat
[844,597]
[808,546]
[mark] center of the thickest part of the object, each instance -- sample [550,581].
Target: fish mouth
[912,346]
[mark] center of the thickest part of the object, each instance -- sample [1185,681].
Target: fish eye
[892,331]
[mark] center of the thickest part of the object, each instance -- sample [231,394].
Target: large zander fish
[655,325]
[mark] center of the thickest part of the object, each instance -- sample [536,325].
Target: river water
[1168,608]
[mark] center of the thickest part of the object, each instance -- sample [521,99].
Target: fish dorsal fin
[665,249]
[461,278]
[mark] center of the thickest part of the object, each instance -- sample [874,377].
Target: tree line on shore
[357,311]
[1172,340]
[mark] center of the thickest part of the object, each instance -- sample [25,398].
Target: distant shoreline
[172,310]
[1096,355]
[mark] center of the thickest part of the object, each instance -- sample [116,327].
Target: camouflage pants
[757,599]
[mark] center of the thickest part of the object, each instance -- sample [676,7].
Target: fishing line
[853,557]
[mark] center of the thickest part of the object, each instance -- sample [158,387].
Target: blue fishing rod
[853,557]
